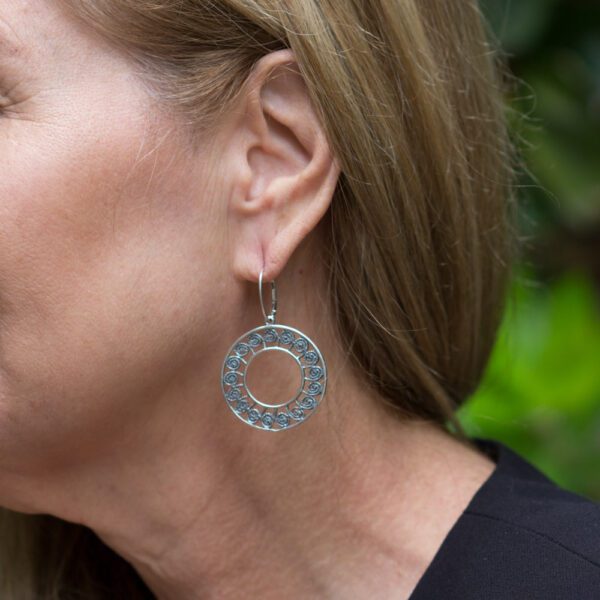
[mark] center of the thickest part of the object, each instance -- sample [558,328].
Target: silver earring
[265,338]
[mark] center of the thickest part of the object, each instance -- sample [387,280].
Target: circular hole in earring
[274,377]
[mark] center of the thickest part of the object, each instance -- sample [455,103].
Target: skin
[128,265]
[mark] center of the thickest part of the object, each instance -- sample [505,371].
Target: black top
[521,537]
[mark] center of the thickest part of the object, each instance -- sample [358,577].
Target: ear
[283,169]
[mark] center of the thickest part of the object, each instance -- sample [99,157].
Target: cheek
[101,273]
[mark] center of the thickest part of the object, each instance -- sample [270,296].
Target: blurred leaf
[542,383]
[541,389]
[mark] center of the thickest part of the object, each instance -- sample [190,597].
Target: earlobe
[287,173]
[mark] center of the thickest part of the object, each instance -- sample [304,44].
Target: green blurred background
[541,390]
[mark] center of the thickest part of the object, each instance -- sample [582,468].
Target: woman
[160,160]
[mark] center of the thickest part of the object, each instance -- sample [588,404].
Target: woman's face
[110,240]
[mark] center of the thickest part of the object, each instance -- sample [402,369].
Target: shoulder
[521,536]
[521,497]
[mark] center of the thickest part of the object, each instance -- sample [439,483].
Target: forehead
[40,30]
[41,42]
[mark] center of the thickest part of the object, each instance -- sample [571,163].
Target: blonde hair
[420,227]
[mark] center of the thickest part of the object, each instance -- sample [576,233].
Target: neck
[352,503]
[296,514]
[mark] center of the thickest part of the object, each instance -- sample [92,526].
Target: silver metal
[271,317]
[272,337]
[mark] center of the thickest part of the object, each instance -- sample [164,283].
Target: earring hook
[270,319]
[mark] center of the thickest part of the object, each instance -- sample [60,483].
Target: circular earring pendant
[273,337]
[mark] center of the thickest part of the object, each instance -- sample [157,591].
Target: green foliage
[541,390]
